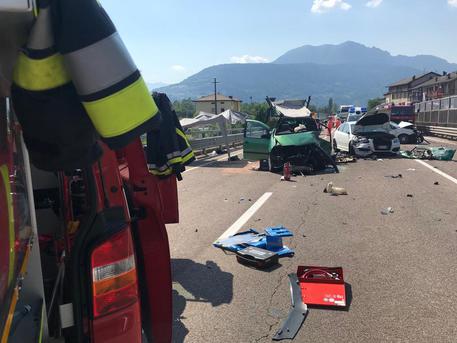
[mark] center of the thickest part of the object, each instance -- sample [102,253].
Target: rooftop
[439,79]
[219,97]
[410,79]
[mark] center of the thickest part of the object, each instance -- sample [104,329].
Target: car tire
[335,147]
[404,139]
[271,167]
[351,149]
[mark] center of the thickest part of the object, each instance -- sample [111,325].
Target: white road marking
[236,226]
[443,174]
[211,162]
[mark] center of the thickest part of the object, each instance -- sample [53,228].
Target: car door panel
[256,140]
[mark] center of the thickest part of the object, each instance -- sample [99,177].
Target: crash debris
[429,153]
[387,211]
[398,176]
[312,286]
[331,189]
[258,250]
[343,157]
[297,314]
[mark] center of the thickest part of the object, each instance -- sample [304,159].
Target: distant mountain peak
[348,72]
[351,52]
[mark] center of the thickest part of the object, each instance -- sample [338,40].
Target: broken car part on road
[319,286]
[331,189]
[429,153]
[270,240]
[297,314]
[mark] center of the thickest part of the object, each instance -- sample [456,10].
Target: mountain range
[349,73]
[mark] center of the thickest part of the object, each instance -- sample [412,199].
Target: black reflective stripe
[123,140]
[113,89]
[39,54]
[81,23]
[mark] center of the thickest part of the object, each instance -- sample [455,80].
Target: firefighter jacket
[75,82]
[168,150]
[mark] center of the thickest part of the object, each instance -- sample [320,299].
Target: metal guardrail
[215,142]
[198,134]
[440,131]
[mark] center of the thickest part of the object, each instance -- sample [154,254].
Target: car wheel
[351,149]
[335,147]
[404,139]
[271,167]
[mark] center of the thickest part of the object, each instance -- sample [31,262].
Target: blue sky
[173,39]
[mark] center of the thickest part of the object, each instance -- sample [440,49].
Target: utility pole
[215,95]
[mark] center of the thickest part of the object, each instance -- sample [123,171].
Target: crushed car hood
[300,138]
[372,123]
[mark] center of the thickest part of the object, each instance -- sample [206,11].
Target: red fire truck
[84,255]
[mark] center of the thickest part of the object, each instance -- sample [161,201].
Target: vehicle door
[256,140]
[342,137]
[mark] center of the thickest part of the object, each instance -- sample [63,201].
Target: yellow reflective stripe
[9,318]
[159,173]
[191,153]
[40,75]
[179,132]
[175,160]
[9,202]
[123,111]
[43,313]
[188,157]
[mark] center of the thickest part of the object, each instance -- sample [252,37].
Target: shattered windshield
[294,125]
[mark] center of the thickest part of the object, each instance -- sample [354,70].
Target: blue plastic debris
[270,240]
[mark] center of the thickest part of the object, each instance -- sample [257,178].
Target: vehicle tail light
[114,278]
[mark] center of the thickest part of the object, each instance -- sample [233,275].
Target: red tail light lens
[114,278]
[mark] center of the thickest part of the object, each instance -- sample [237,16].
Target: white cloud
[452,2]
[376,3]
[321,6]
[178,67]
[248,59]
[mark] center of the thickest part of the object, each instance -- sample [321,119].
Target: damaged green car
[294,139]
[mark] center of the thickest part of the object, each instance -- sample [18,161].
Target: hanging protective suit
[57,131]
[168,150]
[75,82]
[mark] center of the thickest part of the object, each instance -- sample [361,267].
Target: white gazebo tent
[223,119]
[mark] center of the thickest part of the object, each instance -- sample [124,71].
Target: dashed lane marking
[439,172]
[236,226]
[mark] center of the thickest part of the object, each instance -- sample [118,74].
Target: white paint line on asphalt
[211,162]
[443,174]
[236,226]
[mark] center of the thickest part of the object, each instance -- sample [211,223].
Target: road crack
[286,266]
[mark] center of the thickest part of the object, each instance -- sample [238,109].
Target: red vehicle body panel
[153,253]
[124,326]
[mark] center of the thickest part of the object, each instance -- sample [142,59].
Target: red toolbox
[322,286]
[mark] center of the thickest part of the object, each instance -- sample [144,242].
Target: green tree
[372,103]
[331,105]
[184,108]
[257,111]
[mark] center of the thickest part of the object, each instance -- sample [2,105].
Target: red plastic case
[322,286]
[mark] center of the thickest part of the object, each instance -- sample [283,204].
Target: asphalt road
[400,267]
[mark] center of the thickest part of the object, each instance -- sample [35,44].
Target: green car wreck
[294,139]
